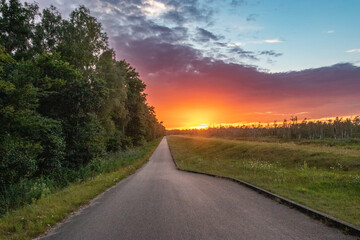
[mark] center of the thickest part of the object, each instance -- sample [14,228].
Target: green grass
[34,219]
[321,177]
[346,143]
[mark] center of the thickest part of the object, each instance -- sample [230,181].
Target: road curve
[160,202]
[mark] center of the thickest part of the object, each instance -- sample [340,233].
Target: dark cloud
[203,35]
[220,44]
[270,53]
[115,2]
[236,3]
[152,56]
[252,17]
[175,17]
[138,27]
[242,53]
[188,11]
[128,7]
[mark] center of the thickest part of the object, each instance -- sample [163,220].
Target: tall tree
[48,31]
[17,23]
[135,104]
[82,39]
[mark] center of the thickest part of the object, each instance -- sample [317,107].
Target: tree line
[64,98]
[338,128]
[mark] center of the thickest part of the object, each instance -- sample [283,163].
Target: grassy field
[34,219]
[321,177]
[351,143]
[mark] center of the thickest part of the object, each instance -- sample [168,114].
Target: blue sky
[311,33]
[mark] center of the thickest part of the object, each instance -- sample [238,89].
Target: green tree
[113,113]
[17,23]
[30,142]
[67,95]
[48,31]
[135,103]
[82,40]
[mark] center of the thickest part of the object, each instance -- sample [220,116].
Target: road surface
[160,202]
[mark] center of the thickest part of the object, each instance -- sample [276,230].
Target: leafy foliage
[64,98]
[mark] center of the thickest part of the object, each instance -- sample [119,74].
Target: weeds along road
[160,202]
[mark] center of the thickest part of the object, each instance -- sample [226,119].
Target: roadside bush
[18,159]
[24,192]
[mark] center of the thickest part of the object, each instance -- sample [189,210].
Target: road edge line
[328,220]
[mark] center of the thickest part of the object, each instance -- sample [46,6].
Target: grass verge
[321,177]
[32,220]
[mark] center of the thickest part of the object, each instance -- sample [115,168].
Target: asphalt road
[160,202]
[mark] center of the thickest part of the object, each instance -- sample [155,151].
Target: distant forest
[338,128]
[64,98]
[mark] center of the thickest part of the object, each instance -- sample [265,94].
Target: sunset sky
[210,62]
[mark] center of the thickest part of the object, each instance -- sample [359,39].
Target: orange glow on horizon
[261,124]
[202,126]
[183,106]
[199,114]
